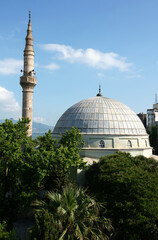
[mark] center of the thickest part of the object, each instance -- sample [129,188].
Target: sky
[78,45]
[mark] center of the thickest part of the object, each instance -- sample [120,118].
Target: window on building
[102,144]
[129,144]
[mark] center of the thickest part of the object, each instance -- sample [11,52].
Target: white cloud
[89,56]
[8,103]
[39,120]
[52,66]
[10,66]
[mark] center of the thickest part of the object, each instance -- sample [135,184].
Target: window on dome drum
[129,144]
[102,144]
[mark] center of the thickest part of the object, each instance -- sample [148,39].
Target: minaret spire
[28,81]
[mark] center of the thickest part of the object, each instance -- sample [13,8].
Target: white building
[152,116]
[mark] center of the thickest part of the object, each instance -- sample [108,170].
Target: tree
[5,234]
[70,145]
[60,157]
[28,166]
[72,215]
[16,183]
[56,174]
[129,185]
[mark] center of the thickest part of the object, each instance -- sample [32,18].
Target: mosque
[106,125]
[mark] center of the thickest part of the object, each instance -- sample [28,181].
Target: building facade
[152,116]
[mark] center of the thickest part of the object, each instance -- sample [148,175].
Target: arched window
[102,144]
[129,144]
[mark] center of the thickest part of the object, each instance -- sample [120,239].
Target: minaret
[28,81]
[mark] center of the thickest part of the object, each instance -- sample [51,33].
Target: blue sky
[79,45]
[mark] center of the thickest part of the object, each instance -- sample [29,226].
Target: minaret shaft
[28,81]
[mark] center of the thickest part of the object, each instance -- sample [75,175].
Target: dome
[100,115]
[107,126]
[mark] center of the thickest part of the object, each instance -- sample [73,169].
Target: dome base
[98,153]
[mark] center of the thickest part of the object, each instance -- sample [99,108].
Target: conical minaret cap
[29,51]
[29,38]
[29,29]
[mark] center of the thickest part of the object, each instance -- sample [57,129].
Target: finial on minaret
[99,89]
[99,94]
[29,14]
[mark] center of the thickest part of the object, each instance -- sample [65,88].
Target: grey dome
[100,115]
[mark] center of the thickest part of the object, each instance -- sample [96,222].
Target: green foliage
[17,180]
[73,215]
[59,157]
[70,145]
[54,166]
[28,166]
[5,234]
[45,227]
[129,185]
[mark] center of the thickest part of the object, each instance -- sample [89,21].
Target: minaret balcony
[28,80]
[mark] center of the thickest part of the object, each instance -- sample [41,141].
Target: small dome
[100,115]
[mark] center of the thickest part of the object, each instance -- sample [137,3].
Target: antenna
[155,98]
